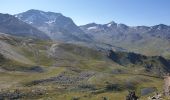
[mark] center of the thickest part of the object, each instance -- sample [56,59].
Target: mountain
[140,39]
[102,36]
[55,25]
[13,26]
[105,68]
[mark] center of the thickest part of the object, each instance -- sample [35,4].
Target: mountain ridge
[11,25]
[128,37]
[101,36]
[55,25]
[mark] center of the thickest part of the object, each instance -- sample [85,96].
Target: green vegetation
[70,72]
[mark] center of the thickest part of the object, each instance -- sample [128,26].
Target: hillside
[145,64]
[55,70]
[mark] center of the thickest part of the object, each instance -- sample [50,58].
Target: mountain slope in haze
[13,26]
[55,25]
[153,40]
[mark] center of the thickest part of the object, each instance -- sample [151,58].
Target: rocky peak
[111,24]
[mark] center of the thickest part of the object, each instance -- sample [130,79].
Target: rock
[131,96]
[36,69]
[117,71]
[157,96]
[65,78]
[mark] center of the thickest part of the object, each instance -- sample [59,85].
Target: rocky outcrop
[155,64]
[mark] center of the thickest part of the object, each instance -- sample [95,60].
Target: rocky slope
[55,25]
[13,26]
[152,64]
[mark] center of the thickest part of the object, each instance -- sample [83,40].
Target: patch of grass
[72,61]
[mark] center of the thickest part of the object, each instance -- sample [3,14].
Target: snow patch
[50,21]
[18,16]
[15,15]
[109,25]
[159,28]
[92,28]
[29,22]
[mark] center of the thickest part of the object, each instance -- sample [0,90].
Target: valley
[67,71]
[45,55]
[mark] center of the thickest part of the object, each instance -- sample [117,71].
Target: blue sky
[130,12]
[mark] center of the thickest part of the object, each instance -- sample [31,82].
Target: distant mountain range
[153,40]
[148,40]
[123,32]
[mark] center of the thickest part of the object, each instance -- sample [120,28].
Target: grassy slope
[152,46]
[79,59]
